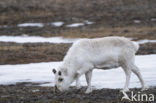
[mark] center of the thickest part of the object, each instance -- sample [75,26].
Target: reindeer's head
[62,79]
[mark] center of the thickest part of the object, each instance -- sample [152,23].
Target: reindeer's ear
[54,71]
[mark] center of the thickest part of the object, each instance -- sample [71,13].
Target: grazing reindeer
[100,53]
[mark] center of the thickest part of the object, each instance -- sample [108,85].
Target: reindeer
[99,53]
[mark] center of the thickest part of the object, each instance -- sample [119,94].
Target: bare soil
[31,93]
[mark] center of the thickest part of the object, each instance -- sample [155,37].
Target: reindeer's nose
[55,87]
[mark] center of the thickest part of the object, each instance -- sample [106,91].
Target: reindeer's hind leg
[125,63]
[136,71]
[128,75]
[128,64]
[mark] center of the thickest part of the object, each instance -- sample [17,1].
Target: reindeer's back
[100,47]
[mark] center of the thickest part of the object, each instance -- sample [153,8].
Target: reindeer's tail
[136,46]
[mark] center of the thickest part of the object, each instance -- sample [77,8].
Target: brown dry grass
[13,53]
[14,48]
[133,32]
[111,17]
[99,10]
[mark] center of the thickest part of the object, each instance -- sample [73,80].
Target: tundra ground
[31,93]
[14,53]
[130,18]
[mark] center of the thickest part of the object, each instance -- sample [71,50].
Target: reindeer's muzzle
[56,89]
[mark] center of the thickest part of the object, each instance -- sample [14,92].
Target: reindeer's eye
[60,79]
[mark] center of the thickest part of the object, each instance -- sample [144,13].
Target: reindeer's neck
[71,70]
[70,65]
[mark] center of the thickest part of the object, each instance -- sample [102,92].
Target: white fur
[101,53]
[136,46]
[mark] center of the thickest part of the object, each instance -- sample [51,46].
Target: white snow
[35,39]
[75,25]
[137,21]
[88,22]
[41,72]
[58,24]
[30,25]
[153,19]
[35,90]
[3,26]
[146,41]
[34,72]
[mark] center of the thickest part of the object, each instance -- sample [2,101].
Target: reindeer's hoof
[89,90]
[145,88]
[78,87]
[125,90]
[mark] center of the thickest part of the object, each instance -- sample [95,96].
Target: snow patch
[153,19]
[137,21]
[88,22]
[35,90]
[57,24]
[3,26]
[35,39]
[34,72]
[114,78]
[146,41]
[75,25]
[30,25]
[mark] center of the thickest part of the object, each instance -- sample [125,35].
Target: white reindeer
[100,53]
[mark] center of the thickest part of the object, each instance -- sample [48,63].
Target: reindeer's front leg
[88,76]
[78,85]
[87,69]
